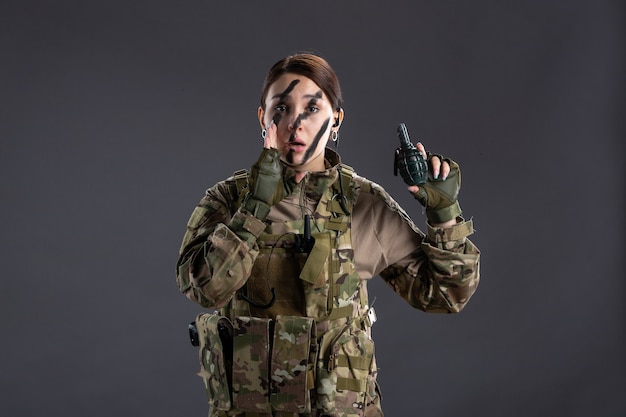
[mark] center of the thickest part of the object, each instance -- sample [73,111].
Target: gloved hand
[439,196]
[265,184]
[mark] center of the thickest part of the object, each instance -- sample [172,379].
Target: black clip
[194,338]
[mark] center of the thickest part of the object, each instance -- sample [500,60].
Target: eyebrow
[317,95]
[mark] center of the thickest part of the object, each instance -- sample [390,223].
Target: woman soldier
[284,252]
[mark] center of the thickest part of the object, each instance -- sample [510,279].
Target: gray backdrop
[117,115]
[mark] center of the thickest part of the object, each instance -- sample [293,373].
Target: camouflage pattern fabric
[214,359]
[251,349]
[328,280]
[344,372]
[290,381]
[327,368]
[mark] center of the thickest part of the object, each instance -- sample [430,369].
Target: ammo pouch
[215,336]
[274,365]
[344,372]
[271,363]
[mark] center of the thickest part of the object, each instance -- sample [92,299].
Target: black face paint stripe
[296,124]
[289,89]
[277,118]
[316,96]
[304,115]
[313,102]
[316,141]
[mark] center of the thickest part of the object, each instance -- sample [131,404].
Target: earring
[334,135]
[263,133]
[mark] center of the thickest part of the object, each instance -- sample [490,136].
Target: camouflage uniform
[310,353]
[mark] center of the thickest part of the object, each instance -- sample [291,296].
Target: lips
[296,145]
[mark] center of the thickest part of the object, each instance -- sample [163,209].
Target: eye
[313,109]
[280,108]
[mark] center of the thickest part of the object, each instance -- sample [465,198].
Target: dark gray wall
[115,116]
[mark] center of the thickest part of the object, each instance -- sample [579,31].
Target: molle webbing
[240,178]
[339,221]
[342,200]
[328,272]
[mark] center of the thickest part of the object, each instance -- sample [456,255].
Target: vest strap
[241,184]
[351,384]
[316,260]
[340,312]
[355,362]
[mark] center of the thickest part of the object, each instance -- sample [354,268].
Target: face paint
[315,142]
[277,118]
[292,137]
[304,115]
[281,98]
[297,137]
[288,90]
[296,124]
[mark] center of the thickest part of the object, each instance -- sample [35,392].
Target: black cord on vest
[263,306]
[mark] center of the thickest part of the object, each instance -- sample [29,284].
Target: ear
[261,116]
[338,118]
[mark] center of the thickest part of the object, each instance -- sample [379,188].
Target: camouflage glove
[438,196]
[265,184]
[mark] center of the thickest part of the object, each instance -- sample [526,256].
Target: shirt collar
[315,182]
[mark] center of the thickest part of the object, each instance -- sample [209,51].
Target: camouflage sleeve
[436,272]
[218,249]
[443,275]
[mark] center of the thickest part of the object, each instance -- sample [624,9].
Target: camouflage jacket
[222,254]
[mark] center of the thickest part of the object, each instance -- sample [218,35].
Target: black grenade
[409,161]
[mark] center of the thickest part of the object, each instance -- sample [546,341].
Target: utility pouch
[215,337]
[291,379]
[251,347]
[343,374]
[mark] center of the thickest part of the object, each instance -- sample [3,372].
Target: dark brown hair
[311,66]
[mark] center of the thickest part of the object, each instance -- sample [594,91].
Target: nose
[293,121]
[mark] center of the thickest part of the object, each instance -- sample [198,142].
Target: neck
[299,175]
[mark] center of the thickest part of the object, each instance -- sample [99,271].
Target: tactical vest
[311,349]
